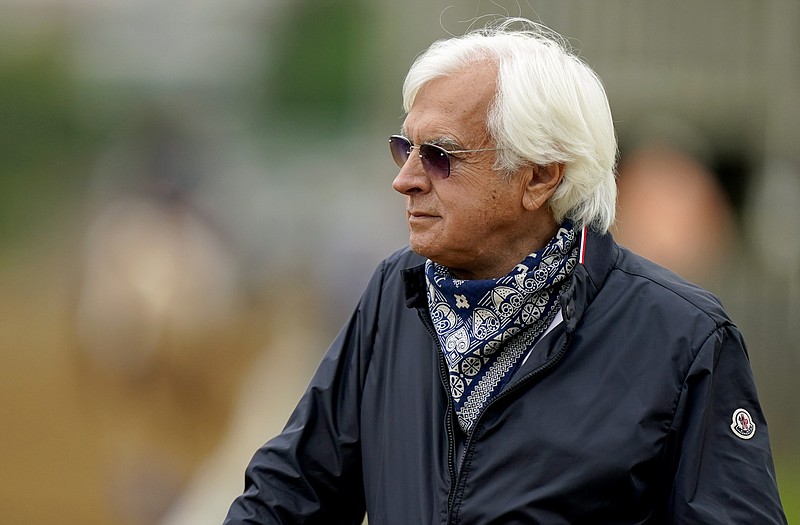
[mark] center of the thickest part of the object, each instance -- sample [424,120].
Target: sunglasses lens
[400,148]
[435,160]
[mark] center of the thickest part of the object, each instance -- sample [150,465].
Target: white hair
[550,107]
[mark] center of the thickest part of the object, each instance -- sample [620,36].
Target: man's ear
[541,183]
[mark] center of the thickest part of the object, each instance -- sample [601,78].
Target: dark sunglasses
[435,159]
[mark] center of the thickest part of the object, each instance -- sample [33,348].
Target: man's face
[470,221]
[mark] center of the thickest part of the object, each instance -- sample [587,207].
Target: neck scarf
[485,327]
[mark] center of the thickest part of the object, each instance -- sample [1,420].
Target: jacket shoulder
[668,288]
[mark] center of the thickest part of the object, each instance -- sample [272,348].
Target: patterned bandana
[477,321]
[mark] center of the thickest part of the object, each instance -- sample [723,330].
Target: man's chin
[421,248]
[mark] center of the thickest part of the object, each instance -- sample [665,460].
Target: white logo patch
[743,425]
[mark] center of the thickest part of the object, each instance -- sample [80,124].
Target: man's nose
[412,178]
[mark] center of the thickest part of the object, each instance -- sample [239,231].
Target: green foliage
[788,471]
[39,136]
[316,74]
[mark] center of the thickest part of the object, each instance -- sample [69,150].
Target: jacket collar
[414,279]
[598,255]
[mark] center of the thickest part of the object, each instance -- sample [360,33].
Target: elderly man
[515,365]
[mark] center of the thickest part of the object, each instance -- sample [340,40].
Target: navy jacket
[640,408]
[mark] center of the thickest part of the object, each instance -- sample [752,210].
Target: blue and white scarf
[485,327]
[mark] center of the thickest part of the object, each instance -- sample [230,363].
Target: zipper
[530,376]
[547,365]
[451,438]
[455,476]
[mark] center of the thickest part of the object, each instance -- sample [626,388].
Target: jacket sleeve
[311,472]
[724,472]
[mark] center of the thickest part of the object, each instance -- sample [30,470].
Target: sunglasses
[435,159]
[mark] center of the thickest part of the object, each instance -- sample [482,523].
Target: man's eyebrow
[443,141]
[446,142]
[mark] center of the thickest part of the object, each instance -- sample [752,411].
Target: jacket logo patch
[743,425]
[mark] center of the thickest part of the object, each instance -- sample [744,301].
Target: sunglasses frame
[428,154]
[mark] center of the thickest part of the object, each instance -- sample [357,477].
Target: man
[515,365]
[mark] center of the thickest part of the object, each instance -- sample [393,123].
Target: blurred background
[194,192]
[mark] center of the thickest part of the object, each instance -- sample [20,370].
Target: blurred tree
[41,138]
[317,75]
